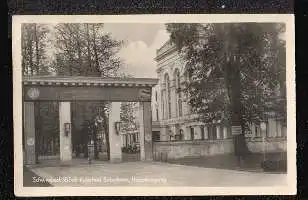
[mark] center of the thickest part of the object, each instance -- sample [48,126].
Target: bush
[131,149]
[274,165]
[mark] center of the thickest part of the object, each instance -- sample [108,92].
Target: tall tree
[234,71]
[86,50]
[33,43]
[127,116]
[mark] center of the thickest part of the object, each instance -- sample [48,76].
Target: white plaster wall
[65,141]
[114,139]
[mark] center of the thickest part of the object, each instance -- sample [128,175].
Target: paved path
[154,174]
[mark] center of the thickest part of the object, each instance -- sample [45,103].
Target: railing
[160,156]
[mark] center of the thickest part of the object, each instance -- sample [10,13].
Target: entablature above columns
[89,81]
[87,88]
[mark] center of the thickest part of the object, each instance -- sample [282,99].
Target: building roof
[88,81]
[165,50]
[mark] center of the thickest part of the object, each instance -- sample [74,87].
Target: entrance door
[47,135]
[86,125]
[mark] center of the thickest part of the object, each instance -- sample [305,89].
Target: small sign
[33,93]
[236,130]
[30,141]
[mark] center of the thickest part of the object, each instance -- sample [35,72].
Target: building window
[181,134]
[157,117]
[192,133]
[163,104]
[168,99]
[202,133]
[257,130]
[156,96]
[212,132]
[178,102]
[133,138]
[180,105]
[156,136]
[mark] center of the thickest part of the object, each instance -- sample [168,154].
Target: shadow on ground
[253,163]
[29,182]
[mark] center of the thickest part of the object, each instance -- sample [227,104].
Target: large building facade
[171,113]
[176,128]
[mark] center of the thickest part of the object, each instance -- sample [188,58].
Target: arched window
[178,93]
[163,104]
[156,96]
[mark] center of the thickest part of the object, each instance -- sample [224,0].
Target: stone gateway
[65,92]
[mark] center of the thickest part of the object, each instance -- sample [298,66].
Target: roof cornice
[88,81]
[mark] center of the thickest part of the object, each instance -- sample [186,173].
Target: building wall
[197,143]
[201,148]
[182,149]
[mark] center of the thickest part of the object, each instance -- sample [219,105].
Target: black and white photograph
[154,104]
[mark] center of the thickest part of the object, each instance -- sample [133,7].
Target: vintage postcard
[137,105]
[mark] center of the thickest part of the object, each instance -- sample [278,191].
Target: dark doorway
[89,122]
[47,135]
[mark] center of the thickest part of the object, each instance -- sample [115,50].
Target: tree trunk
[233,81]
[237,122]
[79,50]
[36,49]
[95,52]
[30,43]
[89,52]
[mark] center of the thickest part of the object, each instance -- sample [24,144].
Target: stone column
[279,134]
[272,128]
[187,133]
[65,140]
[114,137]
[163,134]
[218,132]
[146,151]
[225,132]
[206,132]
[122,141]
[263,129]
[198,132]
[174,112]
[128,139]
[29,132]
[253,130]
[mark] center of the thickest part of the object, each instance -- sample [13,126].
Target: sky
[142,41]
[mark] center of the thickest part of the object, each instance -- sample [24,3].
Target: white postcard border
[153,191]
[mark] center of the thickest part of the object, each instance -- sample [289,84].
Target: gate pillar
[146,149]
[29,131]
[114,135]
[65,131]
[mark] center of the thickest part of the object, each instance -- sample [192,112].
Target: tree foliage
[236,71]
[127,116]
[33,43]
[86,50]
